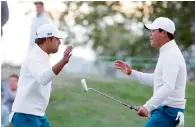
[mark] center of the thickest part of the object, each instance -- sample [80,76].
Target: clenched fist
[142,111]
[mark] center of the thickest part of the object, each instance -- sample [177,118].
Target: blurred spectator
[40,18]
[11,92]
[4,14]
[4,113]
[4,86]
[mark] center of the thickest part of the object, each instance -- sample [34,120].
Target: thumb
[177,118]
[126,64]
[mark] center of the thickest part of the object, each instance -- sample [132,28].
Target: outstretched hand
[67,54]
[123,66]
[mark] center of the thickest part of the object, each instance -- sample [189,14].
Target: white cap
[162,23]
[49,30]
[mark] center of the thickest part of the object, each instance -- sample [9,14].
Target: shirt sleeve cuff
[133,74]
[49,75]
[148,107]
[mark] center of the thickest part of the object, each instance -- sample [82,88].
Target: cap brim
[61,35]
[38,2]
[150,27]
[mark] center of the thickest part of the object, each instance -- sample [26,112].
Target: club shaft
[131,107]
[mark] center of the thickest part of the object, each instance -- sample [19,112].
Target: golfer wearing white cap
[35,79]
[168,80]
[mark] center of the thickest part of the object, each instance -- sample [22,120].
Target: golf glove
[180,117]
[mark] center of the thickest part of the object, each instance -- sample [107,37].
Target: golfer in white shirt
[168,80]
[36,77]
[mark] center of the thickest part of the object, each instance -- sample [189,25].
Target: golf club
[84,85]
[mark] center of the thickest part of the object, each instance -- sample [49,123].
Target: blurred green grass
[70,106]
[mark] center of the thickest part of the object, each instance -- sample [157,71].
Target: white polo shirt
[168,79]
[34,84]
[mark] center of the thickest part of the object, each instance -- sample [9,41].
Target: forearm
[41,69]
[144,78]
[48,75]
[58,67]
[158,97]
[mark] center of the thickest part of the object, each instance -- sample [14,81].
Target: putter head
[84,85]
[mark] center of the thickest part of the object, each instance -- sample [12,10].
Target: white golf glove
[180,117]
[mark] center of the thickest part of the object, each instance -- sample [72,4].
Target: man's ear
[47,40]
[164,33]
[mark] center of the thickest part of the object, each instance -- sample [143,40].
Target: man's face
[156,38]
[53,44]
[39,8]
[13,83]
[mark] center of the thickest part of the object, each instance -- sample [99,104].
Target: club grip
[133,108]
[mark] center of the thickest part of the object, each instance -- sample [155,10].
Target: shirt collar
[167,46]
[41,14]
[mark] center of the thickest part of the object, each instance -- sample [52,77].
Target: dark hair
[14,76]
[39,2]
[171,36]
[40,41]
